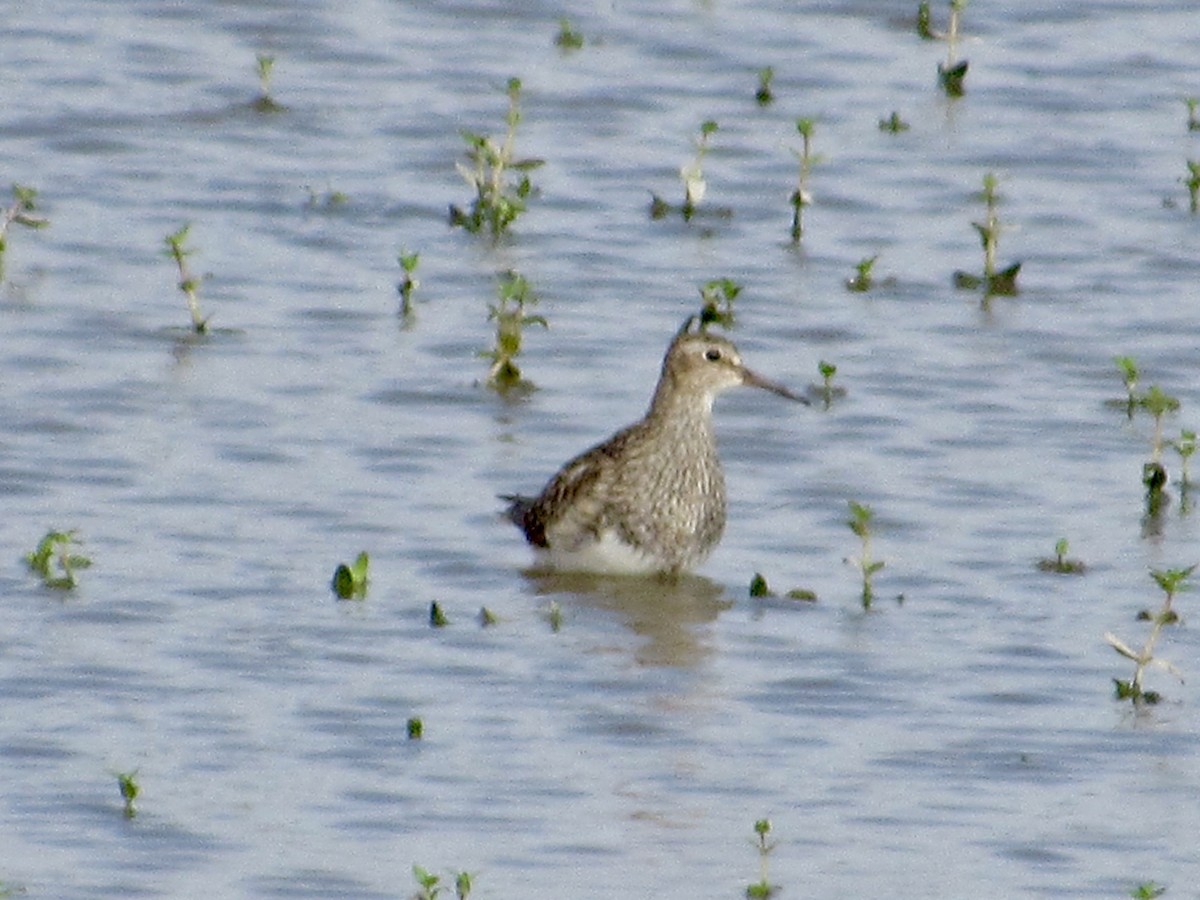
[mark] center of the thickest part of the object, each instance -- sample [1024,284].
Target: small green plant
[1185,446]
[863,279]
[1130,376]
[953,72]
[511,317]
[860,521]
[692,173]
[499,196]
[1059,563]
[801,197]
[427,884]
[762,889]
[463,883]
[415,728]
[568,38]
[759,587]
[437,618]
[1147,890]
[409,282]
[764,96]
[554,616]
[1192,182]
[350,581]
[189,285]
[129,787]
[893,124]
[993,282]
[717,297]
[1193,119]
[264,103]
[828,390]
[54,561]
[19,212]
[1158,403]
[1171,582]
[487,618]
[925,22]
[325,201]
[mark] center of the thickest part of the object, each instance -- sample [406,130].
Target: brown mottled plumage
[650,499]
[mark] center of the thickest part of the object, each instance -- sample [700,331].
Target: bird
[650,500]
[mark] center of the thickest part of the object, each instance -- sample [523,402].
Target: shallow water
[962,742]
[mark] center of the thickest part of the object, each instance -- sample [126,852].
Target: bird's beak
[753,379]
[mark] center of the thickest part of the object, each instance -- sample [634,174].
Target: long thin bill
[755,380]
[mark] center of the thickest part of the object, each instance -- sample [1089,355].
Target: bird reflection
[667,614]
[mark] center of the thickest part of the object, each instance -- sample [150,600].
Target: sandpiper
[650,499]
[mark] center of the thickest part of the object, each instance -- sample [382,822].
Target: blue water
[959,740]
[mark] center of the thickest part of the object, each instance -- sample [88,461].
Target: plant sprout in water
[409,283]
[499,197]
[717,297]
[19,212]
[1130,376]
[189,285]
[264,102]
[762,889]
[1002,282]
[54,561]
[129,787]
[350,581]
[863,280]
[952,74]
[893,124]
[568,38]
[511,317]
[1059,563]
[1192,182]
[764,96]
[1193,120]
[1172,582]
[860,521]
[801,197]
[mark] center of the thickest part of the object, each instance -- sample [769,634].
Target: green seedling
[437,618]
[415,728]
[993,282]
[1130,376]
[463,882]
[350,581]
[1193,120]
[127,783]
[764,96]
[1185,446]
[828,390]
[1059,563]
[325,201]
[1171,582]
[925,22]
[953,72]
[717,297]
[1192,182]
[568,38]
[511,317]
[264,103]
[759,587]
[487,617]
[801,197]
[188,284]
[762,889]
[1147,890]
[427,884]
[19,212]
[408,283]
[692,173]
[860,520]
[863,279]
[893,124]
[54,562]
[1158,403]
[500,181]
[1154,479]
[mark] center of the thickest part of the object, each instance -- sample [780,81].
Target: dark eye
[712,354]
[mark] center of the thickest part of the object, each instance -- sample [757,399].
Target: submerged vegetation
[994,281]
[511,315]
[861,519]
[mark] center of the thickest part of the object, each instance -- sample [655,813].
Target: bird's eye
[712,354]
